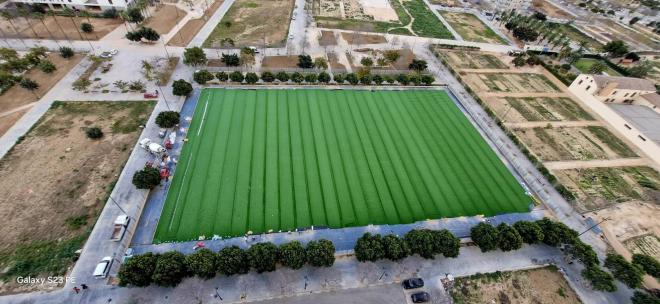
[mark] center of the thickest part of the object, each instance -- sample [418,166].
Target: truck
[119,228]
[152,147]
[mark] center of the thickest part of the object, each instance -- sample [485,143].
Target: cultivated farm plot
[470,28]
[471,60]
[644,244]
[599,187]
[261,160]
[577,36]
[573,143]
[521,109]
[511,82]
[253,23]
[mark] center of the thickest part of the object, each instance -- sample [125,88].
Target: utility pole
[605,219]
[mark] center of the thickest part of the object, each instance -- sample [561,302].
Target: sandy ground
[279,62]
[327,38]
[69,27]
[474,60]
[165,18]
[359,38]
[188,31]
[544,285]
[550,10]
[334,63]
[17,97]
[381,10]
[448,3]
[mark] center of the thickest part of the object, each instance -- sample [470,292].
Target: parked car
[412,283]
[109,54]
[291,36]
[420,297]
[102,268]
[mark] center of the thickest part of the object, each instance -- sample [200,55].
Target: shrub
[135,36]
[263,257]
[181,88]
[624,271]
[640,297]
[378,80]
[146,178]
[282,76]
[297,77]
[365,79]
[110,13]
[369,248]
[352,78]
[138,270]
[338,78]
[194,56]
[292,255]
[600,280]
[305,62]
[170,269]
[519,61]
[202,263]
[86,27]
[47,66]
[202,76]
[647,263]
[427,79]
[232,260]
[324,77]
[389,79]
[415,79]
[403,79]
[267,76]
[418,65]
[320,63]
[311,78]
[94,133]
[168,119]
[221,76]
[134,15]
[81,84]
[485,236]
[66,52]
[367,61]
[149,33]
[509,238]
[251,78]
[395,247]
[421,242]
[236,76]
[29,84]
[136,85]
[320,253]
[530,232]
[391,55]
[446,243]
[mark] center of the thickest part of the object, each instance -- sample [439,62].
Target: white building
[507,5]
[611,89]
[91,5]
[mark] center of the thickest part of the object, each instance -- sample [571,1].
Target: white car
[291,36]
[109,53]
[102,268]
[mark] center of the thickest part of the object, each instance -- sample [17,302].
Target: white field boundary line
[185,173]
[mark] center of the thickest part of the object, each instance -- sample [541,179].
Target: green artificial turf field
[283,159]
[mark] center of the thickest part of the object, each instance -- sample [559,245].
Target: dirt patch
[56,181]
[359,38]
[510,82]
[368,10]
[522,109]
[280,62]
[544,285]
[335,65]
[550,10]
[252,23]
[16,96]
[472,60]
[471,28]
[447,3]
[190,29]
[8,121]
[327,38]
[60,27]
[635,224]
[165,18]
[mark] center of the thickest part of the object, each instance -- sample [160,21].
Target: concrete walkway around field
[554,124]
[596,163]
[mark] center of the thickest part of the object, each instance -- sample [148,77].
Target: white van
[102,268]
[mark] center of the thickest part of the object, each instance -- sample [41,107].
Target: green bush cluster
[203,76]
[12,66]
[424,242]
[170,268]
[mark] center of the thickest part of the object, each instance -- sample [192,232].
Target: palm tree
[24,13]
[9,17]
[52,14]
[40,17]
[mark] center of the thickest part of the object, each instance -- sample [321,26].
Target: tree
[110,13]
[320,63]
[247,56]
[378,80]
[640,297]
[389,79]
[624,271]
[338,78]
[230,59]
[232,260]
[418,65]
[530,232]
[640,70]
[403,79]
[29,84]
[146,178]
[170,269]
[367,62]
[86,27]
[202,263]
[150,34]
[221,76]
[525,33]
[251,78]
[414,79]
[509,238]
[282,76]
[421,242]
[292,255]
[556,233]
[305,62]
[647,263]
[427,79]
[47,67]
[446,243]
[597,68]
[267,76]
[395,248]
[324,77]
[600,280]
[311,78]
[194,56]
[391,55]
[632,56]
[297,77]
[202,76]
[168,119]
[236,76]
[135,36]
[616,48]
[519,61]
[584,253]
[365,79]
[633,20]
[369,248]
[320,253]
[540,16]
[181,88]
[485,236]
[263,257]
[138,270]
[134,15]
[533,60]
[94,133]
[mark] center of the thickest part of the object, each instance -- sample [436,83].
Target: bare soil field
[165,18]
[60,27]
[17,97]
[359,38]
[550,10]
[334,63]
[600,187]
[543,285]
[471,28]
[190,29]
[378,10]
[635,224]
[249,23]
[327,38]
[510,82]
[447,3]
[472,60]
[280,62]
[56,181]
[573,143]
[522,109]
